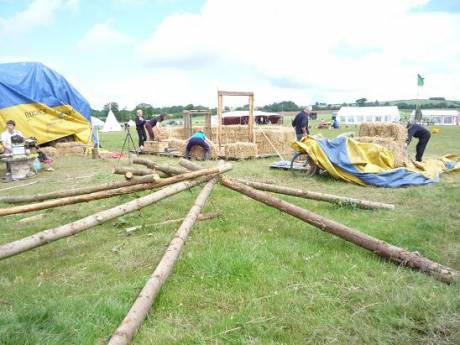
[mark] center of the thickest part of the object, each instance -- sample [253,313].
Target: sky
[167,52]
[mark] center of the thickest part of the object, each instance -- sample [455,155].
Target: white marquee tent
[111,124]
[439,117]
[357,115]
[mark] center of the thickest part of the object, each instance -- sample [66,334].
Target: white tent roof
[95,122]
[131,123]
[438,112]
[240,113]
[369,111]
[111,124]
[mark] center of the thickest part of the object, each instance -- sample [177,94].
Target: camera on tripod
[125,125]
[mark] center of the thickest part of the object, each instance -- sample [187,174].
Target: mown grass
[252,276]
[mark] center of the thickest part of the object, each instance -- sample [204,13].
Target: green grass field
[253,276]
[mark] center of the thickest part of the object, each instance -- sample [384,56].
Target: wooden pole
[168,169]
[133,170]
[138,312]
[317,196]
[382,248]
[206,216]
[251,133]
[70,229]
[77,191]
[220,110]
[109,193]
[51,235]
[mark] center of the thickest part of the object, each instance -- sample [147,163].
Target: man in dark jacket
[300,123]
[422,134]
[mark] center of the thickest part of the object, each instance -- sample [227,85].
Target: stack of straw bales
[160,133]
[280,137]
[389,135]
[240,150]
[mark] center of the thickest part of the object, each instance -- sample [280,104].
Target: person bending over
[422,134]
[149,124]
[200,139]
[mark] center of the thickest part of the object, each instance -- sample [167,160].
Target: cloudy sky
[166,52]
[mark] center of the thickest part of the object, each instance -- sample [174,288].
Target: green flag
[420,80]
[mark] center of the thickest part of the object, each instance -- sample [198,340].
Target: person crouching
[198,139]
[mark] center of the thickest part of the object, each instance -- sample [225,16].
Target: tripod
[127,143]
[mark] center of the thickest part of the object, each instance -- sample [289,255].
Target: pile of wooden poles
[174,180]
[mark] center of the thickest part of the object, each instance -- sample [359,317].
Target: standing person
[140,122]
[200,139]
[300,123]
[7,145]
[149,124]
[423,135]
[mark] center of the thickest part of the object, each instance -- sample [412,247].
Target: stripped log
[206,216]
[105,194]
[201,217]
[317,196]
[138,312]
[132,170]
[382,248]
[50,235]
[166,168]
[77,191]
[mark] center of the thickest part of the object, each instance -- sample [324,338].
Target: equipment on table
[20,160]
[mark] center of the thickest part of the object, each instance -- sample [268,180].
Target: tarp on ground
[42,103]
[372,164]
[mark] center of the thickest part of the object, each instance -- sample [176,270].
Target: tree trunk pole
[317,196]
[78,191]
[138,312]
[382,248]
[108,193]
[47,236]
[167,169]
[135,171]
[201,217]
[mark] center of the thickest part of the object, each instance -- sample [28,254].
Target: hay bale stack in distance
[240,150]
[398,148]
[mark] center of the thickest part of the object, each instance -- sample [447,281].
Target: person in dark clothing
[149,124]
[140,122]
[422,134]
[300,123]
[199,138]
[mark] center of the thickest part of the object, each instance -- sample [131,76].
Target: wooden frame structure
[188,125]
[220,110]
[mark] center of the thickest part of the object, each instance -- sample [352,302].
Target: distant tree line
[176,111]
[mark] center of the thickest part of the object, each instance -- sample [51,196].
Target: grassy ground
[253,276]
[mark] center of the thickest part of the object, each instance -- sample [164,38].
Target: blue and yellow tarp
[371,164]
[42,103]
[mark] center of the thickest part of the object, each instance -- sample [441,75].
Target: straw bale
[73,148]
[196,152]
[50,151]
[398,148]
[240,150]
[280,137]
[160,133]
[396,131]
